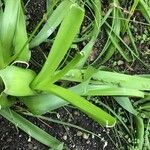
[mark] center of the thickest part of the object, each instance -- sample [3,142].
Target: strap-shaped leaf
[112,78]
[40,104]
[106,90]
[145,10]
[126,104]
[91,110]
[97,23]
[53,21]
[123,80]
[20,38]
[8,26]
[65,36]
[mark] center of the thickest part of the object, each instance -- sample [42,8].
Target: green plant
[40,92]
[21,82]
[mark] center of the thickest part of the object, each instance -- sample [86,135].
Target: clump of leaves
[40,92]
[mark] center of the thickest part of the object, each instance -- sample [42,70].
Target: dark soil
[14,139]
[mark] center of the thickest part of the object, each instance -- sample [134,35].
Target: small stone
[88,142]
[76,113]
[120,62]
[73,146]
[65,137]
[29,139]
[86,136]
[79,133]
[93,136]
[58,115]
[20,135]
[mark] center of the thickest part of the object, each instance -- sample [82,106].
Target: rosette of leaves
[40,92]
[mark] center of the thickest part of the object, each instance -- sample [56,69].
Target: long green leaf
[110,48]
[111,78]
[118,47]
[126,104]
[20,38]
[40,104]
[93,111]
[53,21]
[131,12]
[122,80]
[140,132]
[65,36]
[106,90]
[145,10]
[8,26]
[97,22]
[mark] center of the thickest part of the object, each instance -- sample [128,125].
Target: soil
[12,138]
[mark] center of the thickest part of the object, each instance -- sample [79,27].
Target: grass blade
[110,48]
[118,47]
[145,10]
[97,22]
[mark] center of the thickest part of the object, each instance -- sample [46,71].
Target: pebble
[93,136]
[88,142]
[79,133]
[65,137]
[120,62]
[86,136]
[76,113]
[58,115]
